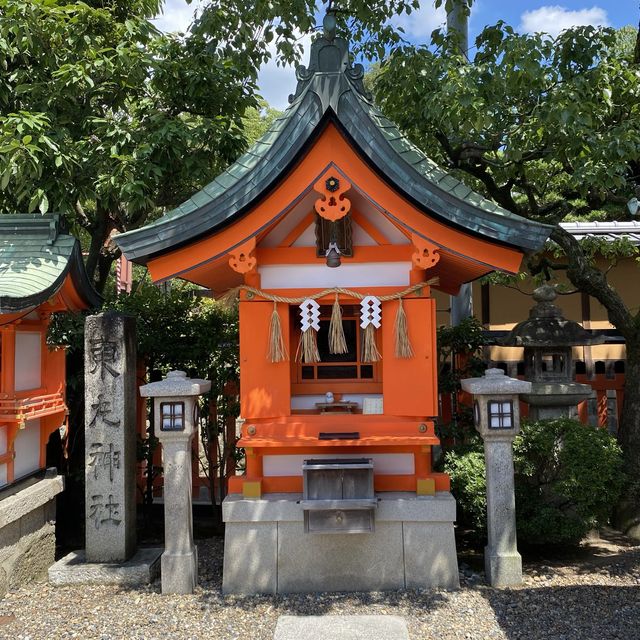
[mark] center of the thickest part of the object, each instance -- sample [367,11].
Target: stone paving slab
[142,568]
[341,628]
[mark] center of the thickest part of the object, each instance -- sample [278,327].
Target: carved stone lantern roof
[547,328]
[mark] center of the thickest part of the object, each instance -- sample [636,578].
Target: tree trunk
[100,230]
[627,516]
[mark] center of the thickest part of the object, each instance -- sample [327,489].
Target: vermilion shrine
[41,272]
[333,230]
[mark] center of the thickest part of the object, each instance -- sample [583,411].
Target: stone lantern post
[175,408]
[497,418]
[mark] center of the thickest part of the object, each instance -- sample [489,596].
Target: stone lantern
[548,340]
[175,407]
[497,418]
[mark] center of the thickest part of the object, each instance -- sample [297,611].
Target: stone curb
[26,500]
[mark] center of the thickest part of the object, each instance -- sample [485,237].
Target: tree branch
[592,281]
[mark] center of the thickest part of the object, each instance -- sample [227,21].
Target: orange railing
[20,410]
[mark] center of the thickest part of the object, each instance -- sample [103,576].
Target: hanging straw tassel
[277,350]
[308,347]
[370,351]
[401,332]
[337,341]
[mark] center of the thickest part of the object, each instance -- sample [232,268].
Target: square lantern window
[500,414]
[172,416]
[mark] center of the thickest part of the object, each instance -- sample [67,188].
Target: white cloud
[419,24]
[553,19]
[177,15]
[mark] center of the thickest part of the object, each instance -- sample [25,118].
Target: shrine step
[341,628]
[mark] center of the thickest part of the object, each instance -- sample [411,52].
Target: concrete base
[267,551]
[27,530]
[179,572]
[142,568]
[502,570]
[342,627]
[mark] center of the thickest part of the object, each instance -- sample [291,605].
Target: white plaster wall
[310,276]
[27,448]
[307,238]
[384,464]
[360,237]
[3,440]
[383,224]
[28,360]
[3,449]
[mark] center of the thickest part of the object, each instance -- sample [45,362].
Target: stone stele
[110,437]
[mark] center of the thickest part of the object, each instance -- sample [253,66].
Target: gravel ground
[592,595]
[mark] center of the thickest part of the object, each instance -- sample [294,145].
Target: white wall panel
[307,238]
[3,440]
[383,224]
[27,448]
[383,463]
[360,237]
[3,474]
[314,276]
[28,360]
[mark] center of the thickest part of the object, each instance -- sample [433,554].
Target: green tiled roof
[331,89]
[35,259]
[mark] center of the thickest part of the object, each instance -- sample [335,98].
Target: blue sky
[276,83]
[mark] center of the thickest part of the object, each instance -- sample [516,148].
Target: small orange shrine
[332,231]
[41,272]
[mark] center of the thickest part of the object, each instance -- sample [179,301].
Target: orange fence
[602,409]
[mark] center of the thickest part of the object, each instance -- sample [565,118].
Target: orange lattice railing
[20,410]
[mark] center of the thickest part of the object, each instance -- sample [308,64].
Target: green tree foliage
[176,329]
[544,126]
[549,128]
[266,29]
[567,478]
[257,120]
[107,120]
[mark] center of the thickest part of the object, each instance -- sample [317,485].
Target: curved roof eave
[35,261]
[322,95]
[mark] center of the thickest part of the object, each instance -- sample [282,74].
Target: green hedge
[568,476]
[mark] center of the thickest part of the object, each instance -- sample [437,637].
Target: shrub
[567,476]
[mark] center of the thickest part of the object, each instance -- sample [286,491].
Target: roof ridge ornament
[329,55]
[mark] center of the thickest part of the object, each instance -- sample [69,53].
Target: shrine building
[334,231]
[41,272]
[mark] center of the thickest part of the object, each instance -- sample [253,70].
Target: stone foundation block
[502,570]
[267,550]
[142,568]
[179,572]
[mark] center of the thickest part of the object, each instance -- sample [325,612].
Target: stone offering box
[338,495]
